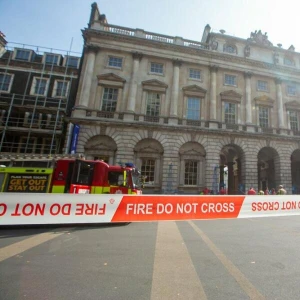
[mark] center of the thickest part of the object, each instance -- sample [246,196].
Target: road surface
[218,259]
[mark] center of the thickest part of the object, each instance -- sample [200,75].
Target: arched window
[229,49]
[289,61]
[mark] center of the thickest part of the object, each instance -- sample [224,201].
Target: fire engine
[72,176]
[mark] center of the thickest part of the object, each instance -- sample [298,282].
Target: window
[109,100]
[263,117]
[115,62]
[191,172]
[39,86]
[195,74]
[193,108]
[148,170]
[288,61]
[294,120]
[51,59]
[262,85]
[54,121]
[71,61]
[22,54]
[2,116]
[153,104]
[230,112]
[291,90]
[27,145]
[5,82]
[229,49]
[156,68]
[230,80]
[48,146]
[33,120]
[60,88]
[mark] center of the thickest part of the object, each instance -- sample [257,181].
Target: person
[281,190]
[251,191]
[273,192]
[206,191]
[267,191]
[261,192]
[222,191]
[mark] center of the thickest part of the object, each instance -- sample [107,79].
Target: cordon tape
[17,209]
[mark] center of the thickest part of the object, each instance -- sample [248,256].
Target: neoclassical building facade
[190,114]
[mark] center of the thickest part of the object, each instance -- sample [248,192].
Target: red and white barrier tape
[17,209]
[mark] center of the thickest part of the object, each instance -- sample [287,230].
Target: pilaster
[129,115]
[213,95]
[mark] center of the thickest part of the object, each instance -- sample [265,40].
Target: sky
[57,24]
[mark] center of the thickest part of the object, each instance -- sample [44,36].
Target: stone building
[190,114]
[37,90]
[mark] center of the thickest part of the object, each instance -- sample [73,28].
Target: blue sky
[54,23]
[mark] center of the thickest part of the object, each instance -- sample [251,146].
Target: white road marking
[241,279]
[19,247]
[174,275]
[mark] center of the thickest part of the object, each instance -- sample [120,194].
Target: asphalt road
[218,259]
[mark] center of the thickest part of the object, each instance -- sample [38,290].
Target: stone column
[134,82]
[251,174]
[230,178]
[175,89]
[212,172]
[249,118]
[213,96]
[248,98]
[286,172]
[221,184]
[279,103]
[88,76]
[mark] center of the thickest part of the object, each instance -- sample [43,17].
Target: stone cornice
[210,55]
[91,48]
[154,82]
[110,77]
[184,129]
[264,101]
[194,90]
[231,95]
[293,105]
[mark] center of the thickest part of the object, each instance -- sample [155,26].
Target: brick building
[37,91]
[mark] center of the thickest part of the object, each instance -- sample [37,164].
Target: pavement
[217,259]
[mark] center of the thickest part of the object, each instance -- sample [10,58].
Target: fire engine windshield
[83,173]
[117,178]
[136,179]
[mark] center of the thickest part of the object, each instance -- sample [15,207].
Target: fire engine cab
[94,177]
[71,176]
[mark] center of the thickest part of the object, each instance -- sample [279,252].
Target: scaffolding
[33,125]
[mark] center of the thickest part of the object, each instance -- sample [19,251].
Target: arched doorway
[101,147]
[268,168]
[295,166]
[232,166]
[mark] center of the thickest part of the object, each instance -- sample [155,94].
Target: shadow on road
[28,230]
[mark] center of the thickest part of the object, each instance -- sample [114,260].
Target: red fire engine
[94,177]
[71,176]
